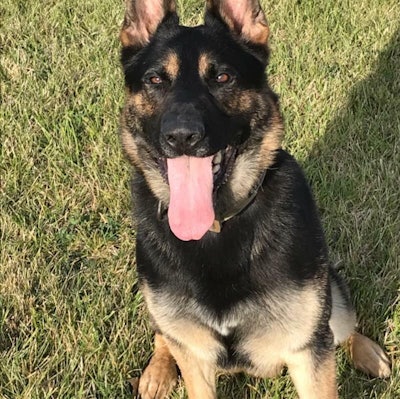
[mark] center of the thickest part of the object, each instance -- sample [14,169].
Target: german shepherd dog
[231,256]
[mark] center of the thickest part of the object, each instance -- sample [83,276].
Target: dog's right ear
[142,18]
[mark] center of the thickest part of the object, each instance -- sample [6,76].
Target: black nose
[184,137]
[182,128]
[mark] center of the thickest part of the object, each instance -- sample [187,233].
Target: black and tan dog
[231,256]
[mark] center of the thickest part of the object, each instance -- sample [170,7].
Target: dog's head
[200,122]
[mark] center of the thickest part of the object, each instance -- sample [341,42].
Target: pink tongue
[190,211]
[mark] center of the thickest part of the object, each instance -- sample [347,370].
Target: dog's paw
[158,378]
[368,356]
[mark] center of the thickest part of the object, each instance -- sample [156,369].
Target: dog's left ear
[245,18]
[142,18]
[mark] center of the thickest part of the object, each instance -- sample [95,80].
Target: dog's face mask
[200,121]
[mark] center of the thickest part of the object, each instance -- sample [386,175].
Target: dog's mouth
[222,165]
[193,183]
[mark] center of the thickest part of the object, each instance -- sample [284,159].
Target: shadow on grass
[355,171]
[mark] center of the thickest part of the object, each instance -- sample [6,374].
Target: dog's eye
[155,80]
[223,78]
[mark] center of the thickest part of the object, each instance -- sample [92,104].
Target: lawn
[72,324]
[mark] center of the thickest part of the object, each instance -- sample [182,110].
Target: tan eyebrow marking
[204,62]
[171,65]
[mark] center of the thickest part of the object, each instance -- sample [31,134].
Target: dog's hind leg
[343,318]
[366,355]
[160,375]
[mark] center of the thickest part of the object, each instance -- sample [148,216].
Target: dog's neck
[238,207]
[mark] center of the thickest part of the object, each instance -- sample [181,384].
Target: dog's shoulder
[286,189]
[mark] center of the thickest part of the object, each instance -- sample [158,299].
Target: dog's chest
[254,336]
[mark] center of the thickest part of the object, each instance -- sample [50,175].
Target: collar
[238,208]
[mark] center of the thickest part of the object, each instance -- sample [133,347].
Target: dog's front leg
[160,375]
[314,377]
[199,375]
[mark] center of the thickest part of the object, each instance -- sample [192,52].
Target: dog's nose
[184,137]
[182,129]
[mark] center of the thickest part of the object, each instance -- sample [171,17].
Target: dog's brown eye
[223,78]
[155,80]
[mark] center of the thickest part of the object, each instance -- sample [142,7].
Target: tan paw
[368,356]
[158,378]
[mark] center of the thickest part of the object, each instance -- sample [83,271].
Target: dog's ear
[142,18]
[243,17]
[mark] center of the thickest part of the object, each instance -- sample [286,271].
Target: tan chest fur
[270,330]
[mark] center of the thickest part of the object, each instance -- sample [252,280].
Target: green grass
[71,323]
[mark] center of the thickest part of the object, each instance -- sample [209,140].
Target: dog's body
[230,251]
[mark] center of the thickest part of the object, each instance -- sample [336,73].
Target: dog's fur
[257,292]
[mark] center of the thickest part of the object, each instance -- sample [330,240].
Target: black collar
[240,206]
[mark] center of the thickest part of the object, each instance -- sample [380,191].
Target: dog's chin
[222,165]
